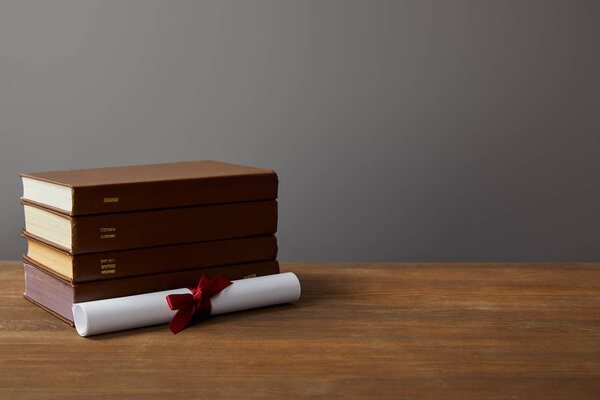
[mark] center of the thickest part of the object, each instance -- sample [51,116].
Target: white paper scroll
[110,315]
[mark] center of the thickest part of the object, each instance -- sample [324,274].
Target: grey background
[401,131]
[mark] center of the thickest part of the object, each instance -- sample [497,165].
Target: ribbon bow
[195,304]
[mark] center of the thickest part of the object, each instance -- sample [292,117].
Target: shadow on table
[212,321]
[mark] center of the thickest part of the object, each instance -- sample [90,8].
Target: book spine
[108,232]
[175,193]
[45,290]
[152,260]
[153,283]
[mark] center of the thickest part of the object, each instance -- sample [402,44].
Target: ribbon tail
[179,301]
[181,319]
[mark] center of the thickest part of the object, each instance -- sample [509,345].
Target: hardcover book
[150,260]
[57,295]
[128,230]
[145,187]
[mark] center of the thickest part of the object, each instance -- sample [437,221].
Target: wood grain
[371,330]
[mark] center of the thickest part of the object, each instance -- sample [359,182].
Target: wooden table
[452,331]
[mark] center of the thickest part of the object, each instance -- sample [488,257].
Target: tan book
[80,268]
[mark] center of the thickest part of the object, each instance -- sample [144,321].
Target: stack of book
[109,232]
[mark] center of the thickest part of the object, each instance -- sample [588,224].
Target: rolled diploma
[120,313]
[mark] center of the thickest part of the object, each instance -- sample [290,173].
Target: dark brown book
[57,295]
[149,260]
[144,187]
[129,230]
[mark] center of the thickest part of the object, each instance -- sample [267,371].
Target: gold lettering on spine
[104,232]
[110,200]
[108,266]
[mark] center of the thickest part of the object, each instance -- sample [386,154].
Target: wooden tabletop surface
[370,330]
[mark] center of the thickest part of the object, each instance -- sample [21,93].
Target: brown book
[129,230]
[150,260]
[57,295]
[145,187]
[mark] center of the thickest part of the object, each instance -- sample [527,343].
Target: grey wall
[401,131]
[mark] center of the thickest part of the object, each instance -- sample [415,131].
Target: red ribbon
[195,304]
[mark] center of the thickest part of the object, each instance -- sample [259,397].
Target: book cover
[149,260]
[128,230]
[56,294]
[145,187]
